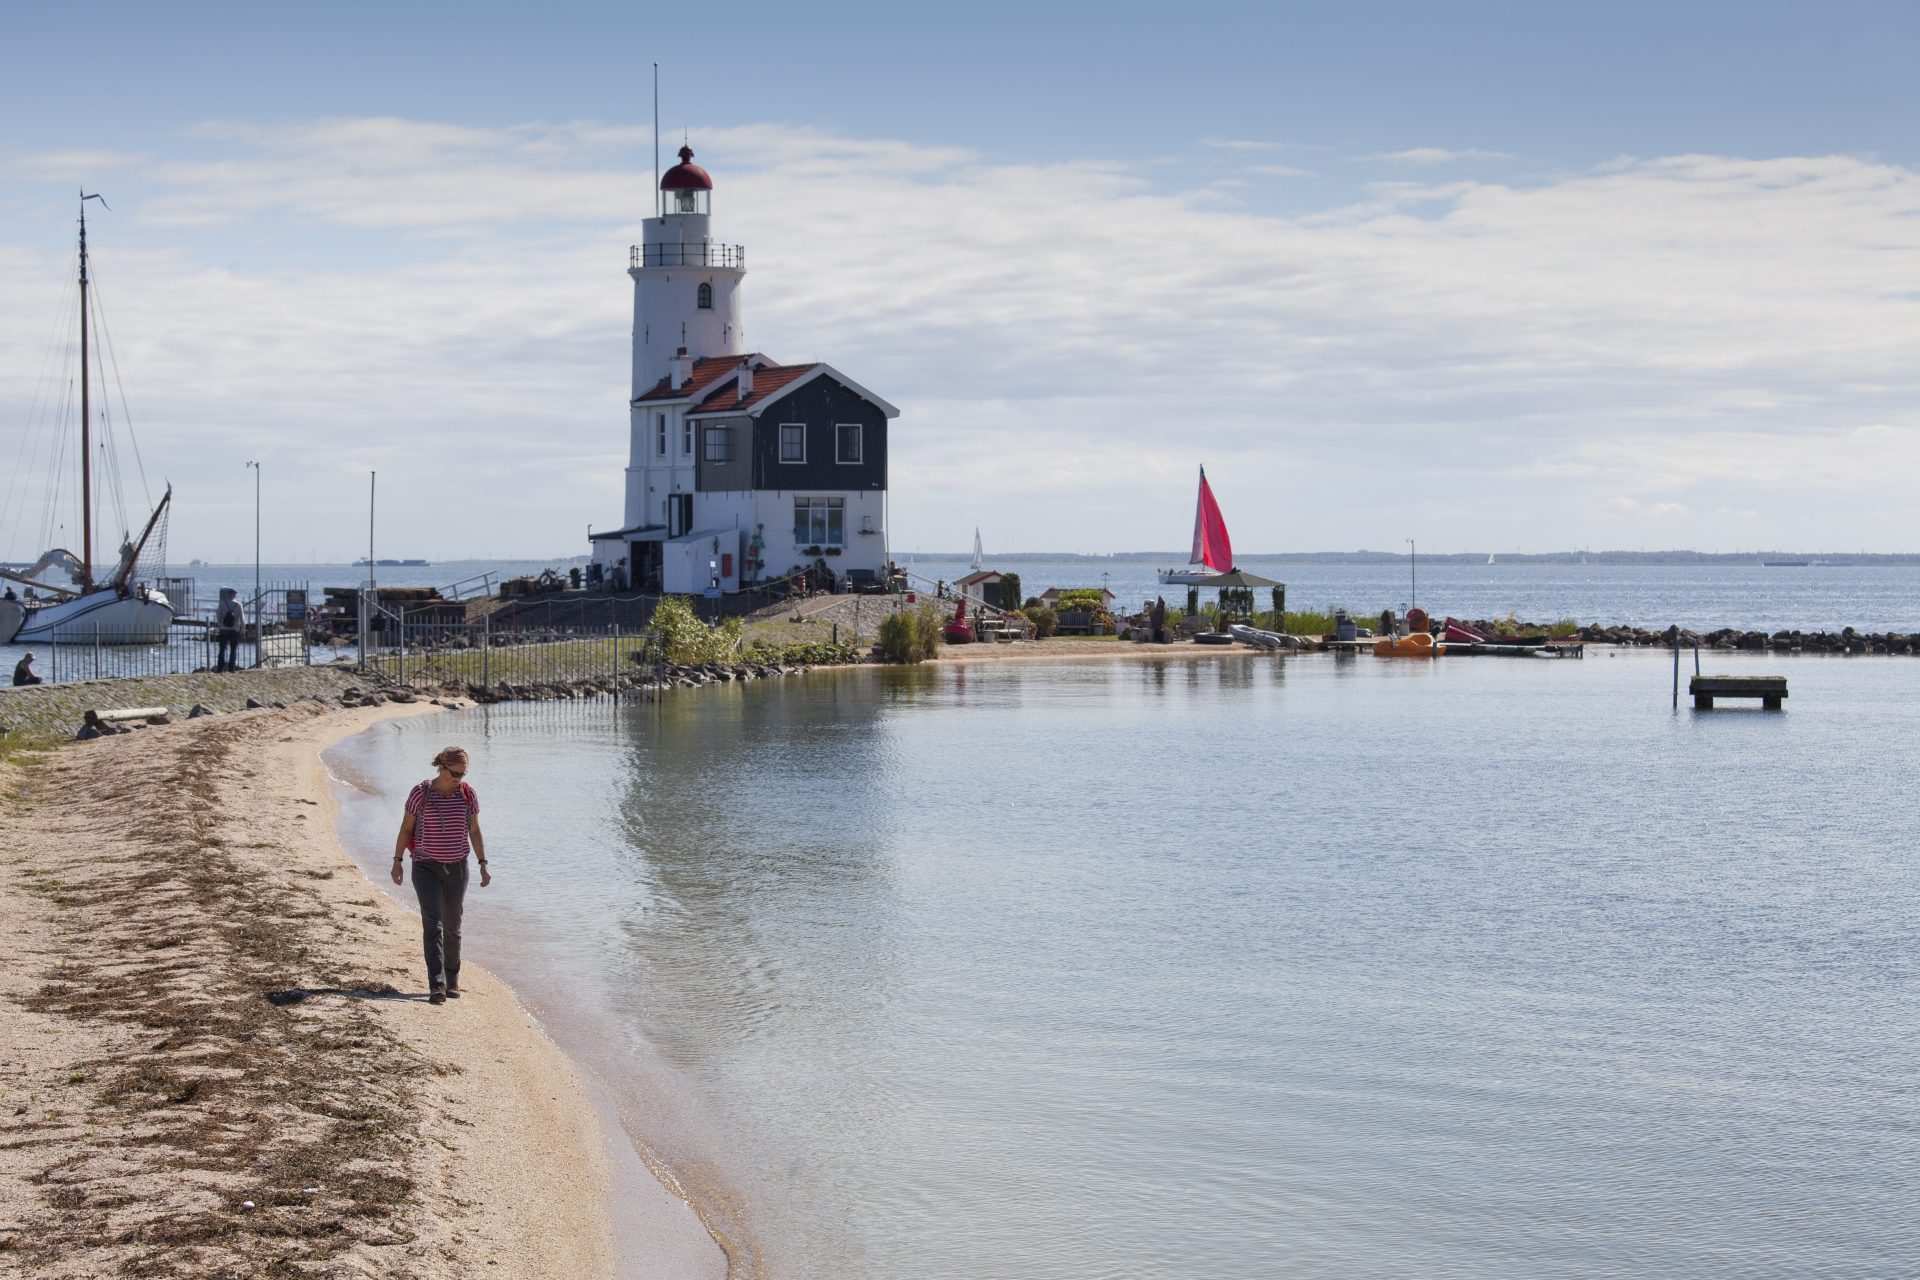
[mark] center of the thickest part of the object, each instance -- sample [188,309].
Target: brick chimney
[682,368]
[746,379]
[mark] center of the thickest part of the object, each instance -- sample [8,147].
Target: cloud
[1277,171]
[1253,144]
[1486,363]
[1427,156]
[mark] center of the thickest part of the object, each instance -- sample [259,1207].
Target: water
[1322,967]
[1750,597]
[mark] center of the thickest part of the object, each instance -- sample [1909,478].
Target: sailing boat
[977,554]
[1212,548]
[117,609]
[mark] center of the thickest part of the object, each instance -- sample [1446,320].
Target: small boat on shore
[1418,645]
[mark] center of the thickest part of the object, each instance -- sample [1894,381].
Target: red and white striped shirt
[440,822]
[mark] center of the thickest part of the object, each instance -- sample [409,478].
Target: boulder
[254,704]
[198,712]
[88,732]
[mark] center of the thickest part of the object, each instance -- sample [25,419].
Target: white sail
[978,556]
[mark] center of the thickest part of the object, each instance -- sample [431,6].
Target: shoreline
[170,1119]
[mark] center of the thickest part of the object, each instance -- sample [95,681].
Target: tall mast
[86,419]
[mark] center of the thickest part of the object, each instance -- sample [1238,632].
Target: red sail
[1211,546]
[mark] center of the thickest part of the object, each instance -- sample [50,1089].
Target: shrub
[808,653]
[911,635]
[686,639]
[1009,590]
[1045,621]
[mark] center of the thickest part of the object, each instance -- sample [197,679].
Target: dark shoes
[439,996]
[453,993]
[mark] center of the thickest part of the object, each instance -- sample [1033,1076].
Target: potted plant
[810,551]
[833,551]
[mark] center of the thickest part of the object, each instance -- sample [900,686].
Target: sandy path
[154,887]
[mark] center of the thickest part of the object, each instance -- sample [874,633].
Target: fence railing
[428,654]
[688,255]
[105,655]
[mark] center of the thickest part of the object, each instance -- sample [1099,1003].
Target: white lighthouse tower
[686,288]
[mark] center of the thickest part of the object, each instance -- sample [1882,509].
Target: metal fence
[106,656]
[436,653]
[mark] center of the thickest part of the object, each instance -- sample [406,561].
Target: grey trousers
[442,890]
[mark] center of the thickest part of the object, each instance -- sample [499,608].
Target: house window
[719,444]
[660,434]
[686,438]
[819,522]
[793,442]
[706,297]
[847,442]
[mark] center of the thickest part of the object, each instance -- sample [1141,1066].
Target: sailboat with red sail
[1212,545]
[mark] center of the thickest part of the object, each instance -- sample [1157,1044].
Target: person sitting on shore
[441,827]
[23,672]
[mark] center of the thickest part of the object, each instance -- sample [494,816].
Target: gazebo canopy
[1234,578]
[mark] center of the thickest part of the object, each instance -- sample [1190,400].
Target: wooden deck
[1770,690]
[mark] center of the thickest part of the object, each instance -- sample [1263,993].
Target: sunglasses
[458,773]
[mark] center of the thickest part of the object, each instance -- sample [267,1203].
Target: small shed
[983,585]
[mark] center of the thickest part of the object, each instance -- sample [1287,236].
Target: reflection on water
[1319,967]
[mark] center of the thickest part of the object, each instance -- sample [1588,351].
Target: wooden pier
[1769,689]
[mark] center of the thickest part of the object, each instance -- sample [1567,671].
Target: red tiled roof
[705,373]
[768,381]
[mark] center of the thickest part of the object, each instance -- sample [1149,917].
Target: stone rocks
[198,712]
[254,704]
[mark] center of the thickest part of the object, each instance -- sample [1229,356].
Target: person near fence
[23,671]
[442,828]
[229,618]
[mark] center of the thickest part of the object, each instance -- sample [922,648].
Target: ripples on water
[1238,967]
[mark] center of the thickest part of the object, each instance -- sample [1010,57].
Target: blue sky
[1496,276]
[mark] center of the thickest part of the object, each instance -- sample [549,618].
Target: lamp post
[256,562]
[1413,573]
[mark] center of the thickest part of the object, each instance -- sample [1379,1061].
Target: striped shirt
[440,822]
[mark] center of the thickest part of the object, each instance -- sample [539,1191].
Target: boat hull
[104,617]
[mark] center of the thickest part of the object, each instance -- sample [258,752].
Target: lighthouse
[686,288]
[740,470]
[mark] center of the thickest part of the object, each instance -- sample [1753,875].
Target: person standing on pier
[229,618]
[441,828]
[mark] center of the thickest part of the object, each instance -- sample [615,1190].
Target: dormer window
[706,297]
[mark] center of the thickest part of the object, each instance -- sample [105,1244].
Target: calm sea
[1315,967]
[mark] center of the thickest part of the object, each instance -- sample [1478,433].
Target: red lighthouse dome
[686,176]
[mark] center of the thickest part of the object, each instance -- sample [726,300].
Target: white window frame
[859,443]
[717,447]
[686,437]
[820,507]
[800,427]
[660,435]
[703,297]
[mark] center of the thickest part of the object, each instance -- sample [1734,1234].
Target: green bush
[1045,621]
[686,639]
[807,653]
[1009,590]
[911,635]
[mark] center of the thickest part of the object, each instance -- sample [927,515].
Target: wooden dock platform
[1769,689]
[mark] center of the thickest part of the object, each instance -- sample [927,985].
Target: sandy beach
[165,1118]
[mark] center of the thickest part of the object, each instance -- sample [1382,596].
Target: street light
[256,562]
[1413,573]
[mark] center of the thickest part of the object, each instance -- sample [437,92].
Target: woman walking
[441,827]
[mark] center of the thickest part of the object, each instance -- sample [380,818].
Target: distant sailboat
[978,556]
[1212,547]
[1489,557]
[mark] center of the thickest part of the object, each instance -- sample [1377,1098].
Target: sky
[1502,277]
